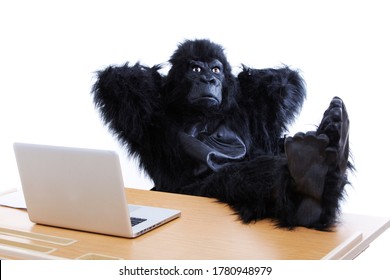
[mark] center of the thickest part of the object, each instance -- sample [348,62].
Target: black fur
[151,116]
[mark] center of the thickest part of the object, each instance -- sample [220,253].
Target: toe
[331,155]
[336,114]
[299,136]
[323,139]
[337,101]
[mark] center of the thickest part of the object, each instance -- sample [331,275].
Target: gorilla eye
[216,70]
[196,69]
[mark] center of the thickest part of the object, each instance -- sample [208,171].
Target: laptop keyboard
[135,221]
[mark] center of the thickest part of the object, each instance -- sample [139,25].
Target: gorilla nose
[209,79]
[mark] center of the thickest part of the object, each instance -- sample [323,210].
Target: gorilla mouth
[205,95]
[206,100]
[208,97]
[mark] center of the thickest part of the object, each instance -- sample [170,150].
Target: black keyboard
[135,221]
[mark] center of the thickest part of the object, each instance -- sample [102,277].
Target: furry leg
[248,187]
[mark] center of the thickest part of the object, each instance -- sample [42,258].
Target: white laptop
[82,189]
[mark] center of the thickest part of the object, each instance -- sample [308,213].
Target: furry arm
[273,98]
[128,98]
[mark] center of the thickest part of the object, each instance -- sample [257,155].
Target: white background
[50,50]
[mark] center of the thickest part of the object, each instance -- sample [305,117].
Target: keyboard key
[135,221]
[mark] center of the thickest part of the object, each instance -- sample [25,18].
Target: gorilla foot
[307,157]
[335,124]
[317,163]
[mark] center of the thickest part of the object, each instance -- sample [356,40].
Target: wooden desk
[206,230]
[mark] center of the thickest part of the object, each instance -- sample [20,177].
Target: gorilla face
[206,80]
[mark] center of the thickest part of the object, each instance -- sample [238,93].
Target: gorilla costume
[200,130]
